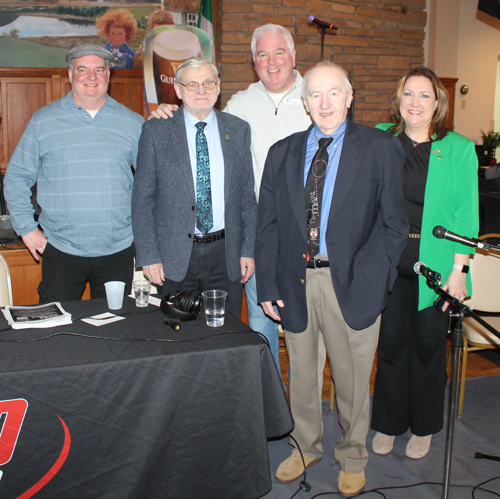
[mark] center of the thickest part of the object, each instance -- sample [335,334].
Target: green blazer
[450,200]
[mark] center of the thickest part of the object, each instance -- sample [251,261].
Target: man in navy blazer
[170,246]
[341,291]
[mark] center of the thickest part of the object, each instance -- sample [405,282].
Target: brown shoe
[351,484]
[292,468]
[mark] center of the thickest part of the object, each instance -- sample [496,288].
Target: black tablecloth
[139,419]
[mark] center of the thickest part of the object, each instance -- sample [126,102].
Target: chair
[485,275]
[5,283]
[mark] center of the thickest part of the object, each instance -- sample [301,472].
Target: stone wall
[377,41]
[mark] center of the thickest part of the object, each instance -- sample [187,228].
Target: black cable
[479,486]
[264,338]
[303,485]
[379,489]
[67,333]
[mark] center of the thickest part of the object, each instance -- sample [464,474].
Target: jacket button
[192,207]
[190,236]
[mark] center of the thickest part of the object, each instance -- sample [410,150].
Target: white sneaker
[418,447]
[382,444]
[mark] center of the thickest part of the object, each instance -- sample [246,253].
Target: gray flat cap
[88,49]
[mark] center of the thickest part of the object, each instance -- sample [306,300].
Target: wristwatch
[462,268]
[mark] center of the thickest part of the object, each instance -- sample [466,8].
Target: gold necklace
[414,142]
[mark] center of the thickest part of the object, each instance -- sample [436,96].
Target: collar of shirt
[337,136]
[191,120]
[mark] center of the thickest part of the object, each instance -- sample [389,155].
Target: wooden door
[19,98]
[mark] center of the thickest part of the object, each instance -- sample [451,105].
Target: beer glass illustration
[170,50]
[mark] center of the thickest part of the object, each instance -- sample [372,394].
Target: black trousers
[208,270]
[64,276]
[411,374]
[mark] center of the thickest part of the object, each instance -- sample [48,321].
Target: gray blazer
[164,199]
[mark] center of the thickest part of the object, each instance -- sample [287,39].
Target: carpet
[478,430]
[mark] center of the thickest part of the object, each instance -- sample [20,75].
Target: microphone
[421,268]
[323,24]
[441,232]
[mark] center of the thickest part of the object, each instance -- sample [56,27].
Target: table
[138,419]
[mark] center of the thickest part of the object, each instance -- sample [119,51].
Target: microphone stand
[322,30]
[460,308]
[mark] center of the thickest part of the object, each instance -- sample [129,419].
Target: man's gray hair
[327,64]
[275,29]
[196,62]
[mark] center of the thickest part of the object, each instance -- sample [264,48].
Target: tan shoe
[292,468]
[382,444]
[418,447]
[351,484]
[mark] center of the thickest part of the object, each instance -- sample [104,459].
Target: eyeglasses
[192,86]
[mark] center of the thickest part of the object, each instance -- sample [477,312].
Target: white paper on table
[101,319]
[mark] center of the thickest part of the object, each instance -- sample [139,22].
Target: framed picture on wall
[38,34]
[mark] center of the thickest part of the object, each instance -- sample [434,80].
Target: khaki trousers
[351,353]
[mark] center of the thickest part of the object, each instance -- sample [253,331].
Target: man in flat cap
[79,150]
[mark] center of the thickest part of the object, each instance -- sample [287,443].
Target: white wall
[466,45]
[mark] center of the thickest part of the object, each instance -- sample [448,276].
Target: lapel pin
[227,137]
[436,150]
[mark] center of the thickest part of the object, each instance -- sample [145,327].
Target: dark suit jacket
[164,199]
[366,234]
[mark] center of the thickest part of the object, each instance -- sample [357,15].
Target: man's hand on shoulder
[164,111]
[269,309]
[154,273]
[247,269]
[35,241]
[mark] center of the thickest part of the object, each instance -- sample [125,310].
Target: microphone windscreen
[439,232]
[311,19]
[416,268]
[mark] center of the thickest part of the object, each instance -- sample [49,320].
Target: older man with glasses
[193,205]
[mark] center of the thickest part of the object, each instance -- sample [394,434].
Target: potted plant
[491,140]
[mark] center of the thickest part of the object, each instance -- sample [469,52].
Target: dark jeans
[64,276]
[208,270]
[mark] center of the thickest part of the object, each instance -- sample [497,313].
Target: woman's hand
[456,283]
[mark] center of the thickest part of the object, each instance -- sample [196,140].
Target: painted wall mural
[39,33]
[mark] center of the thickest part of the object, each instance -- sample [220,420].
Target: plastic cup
[141,291]
[114,293]
[215,307]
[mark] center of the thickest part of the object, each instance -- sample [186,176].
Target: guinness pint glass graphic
[170,50]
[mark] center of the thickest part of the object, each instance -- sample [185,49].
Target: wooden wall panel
[20,97]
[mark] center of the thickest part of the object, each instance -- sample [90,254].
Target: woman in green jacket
[440,189]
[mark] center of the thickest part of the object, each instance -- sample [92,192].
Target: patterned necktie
[314,196]
[204,219]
